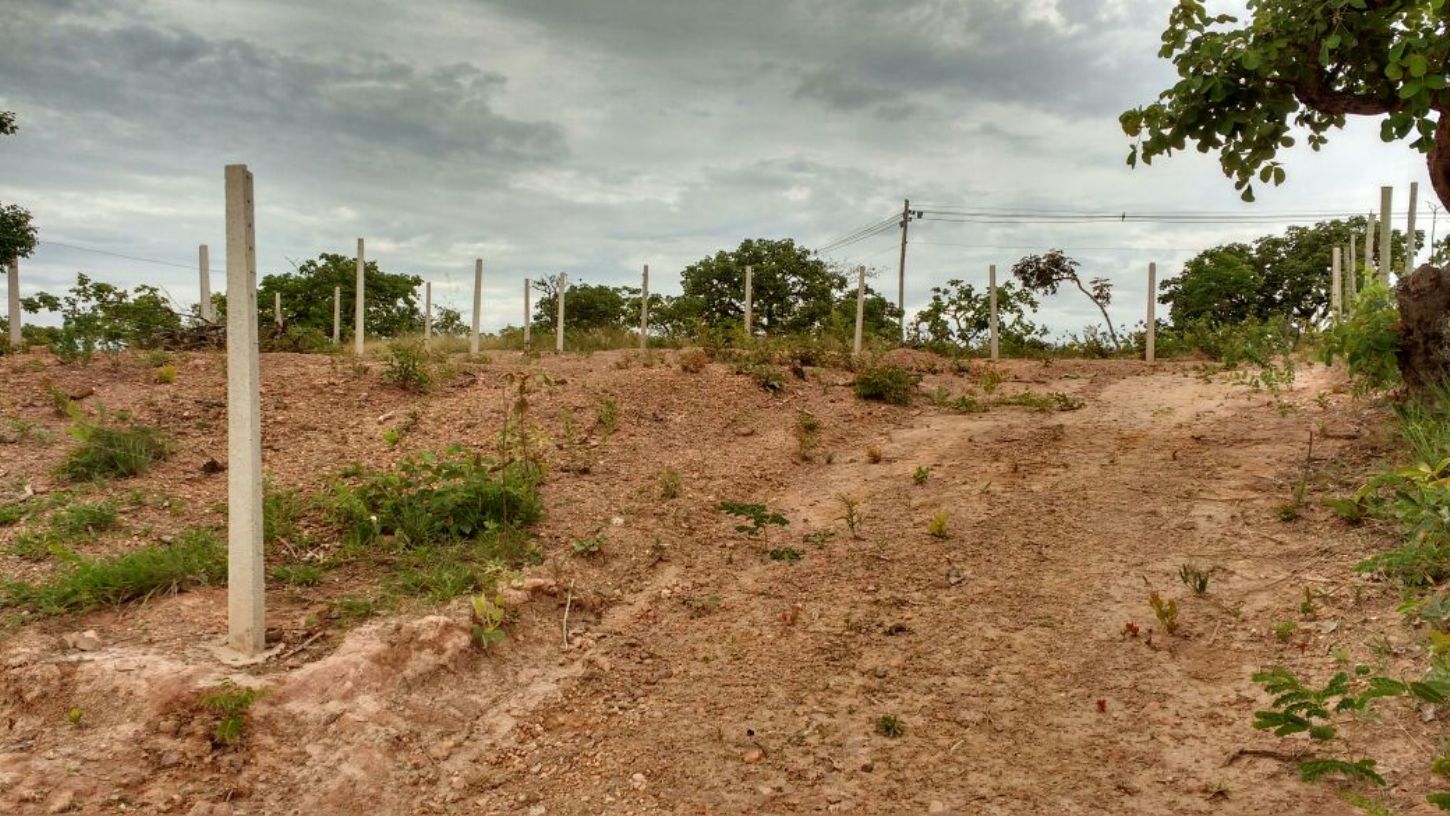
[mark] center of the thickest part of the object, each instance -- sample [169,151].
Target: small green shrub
[937,527]
[409,366]
[786,554]
[887,383]
[606,414]
[890,726]
[922,475]
[112,451]
[231,702]
[1195,578]
[1368,339]
[301,575]
[671,485]
[1165,611]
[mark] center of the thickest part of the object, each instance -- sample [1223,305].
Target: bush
[694,361]
[196,557]
[110,451]
[294,338]
[887,383]
[1368,339]
[409,366]
[429,499]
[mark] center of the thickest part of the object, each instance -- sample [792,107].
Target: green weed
[196,557]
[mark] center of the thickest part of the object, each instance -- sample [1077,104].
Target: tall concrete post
[644,310]
[992,310]
[528,313]
[1336,285]
[206,311]
[246,599]
[860,309]
[1369,233]
[1386,246]
[749,321]
[1150,352]
[477,306]
[12,285]
[559,301]
[277,309]
[1351,278]
[359,317]
[428,312]
[336,315]
[1412,245]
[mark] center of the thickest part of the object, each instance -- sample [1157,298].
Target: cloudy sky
[592,137]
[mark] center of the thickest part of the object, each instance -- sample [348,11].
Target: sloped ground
[702,676]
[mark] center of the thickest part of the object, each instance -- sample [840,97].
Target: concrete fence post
[1351,276]
[428,312]
[1412,245]
[359,318]
[336,315]
[246,598]
[560,289]
[1369,233]
[528,313]
[992,311]
[644,310]
[277,309]
[206,311]
[1386,245]
[1336,285]
[1150,352]
[473,339]
[12,278]
[860,309]
[749,322]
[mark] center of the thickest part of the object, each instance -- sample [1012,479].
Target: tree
[1310,64]
[102,317]
[17,232]
[391,297]
[587,307]
[960,316]
[791,290]
[1276,275]
[1045,273]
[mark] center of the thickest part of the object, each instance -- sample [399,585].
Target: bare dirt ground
[703,677]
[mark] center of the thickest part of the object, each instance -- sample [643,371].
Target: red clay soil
[989,671]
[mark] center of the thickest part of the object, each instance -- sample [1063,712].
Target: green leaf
[1250,60]
[1360,770]
[1440,800]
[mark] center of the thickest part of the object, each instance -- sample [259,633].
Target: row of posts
[1378,252]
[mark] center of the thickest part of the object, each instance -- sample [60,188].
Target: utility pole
[901,267]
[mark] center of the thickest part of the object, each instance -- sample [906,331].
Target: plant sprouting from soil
[1165,611]
[922,475]
[807,434]
[671,485]
[487,619]
[758,516]
[989,378]
[937,527]
[231,702]
[890,726]
[1194,577]
[112,450]
[606,414]
[874,454]
[789,555]
[851,514]
[887,383]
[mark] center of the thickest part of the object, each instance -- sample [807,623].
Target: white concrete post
[477,305]
[992,313]
[860,309]
[1369,233]
[336,315]
[207,312]
[528,315]
[1412,246]
[359,318]
[1351,278]
[428,312]
[749,322]
[277,309]
[13,296]
[644,310]
[1386,248]
[1336,285]
[559,301]
[1150,352]
[246,598]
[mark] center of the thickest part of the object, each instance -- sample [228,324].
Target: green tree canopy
[1299,63]
[391,297]
[589,306]
[1046,272]
[960,316]
[98,316]
[791,290]
[17,231]
[1277,275]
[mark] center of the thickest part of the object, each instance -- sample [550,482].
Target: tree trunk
[1424,301]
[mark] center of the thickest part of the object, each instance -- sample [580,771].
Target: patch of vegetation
[409,365]
[694,361]
[112,451]
[590,545]
[757,517]
[1051,401]
[1195,577]
[890,726]
[671,485]
[887,383]
[165,375]
[196,557]
[874,454]
[298,575]
[768,377]
[922,475]
[606,414]
[851,514]
[787,554]
[1165,611]
[231,702]
[807,435]
[488,616]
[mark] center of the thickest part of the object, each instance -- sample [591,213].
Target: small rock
[62,802]
[1427,712]
[617,521]
[936,806]
[753,756]
[637,781]
[87,641]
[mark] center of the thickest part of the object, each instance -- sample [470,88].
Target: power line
[1063,248]
[115,254]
